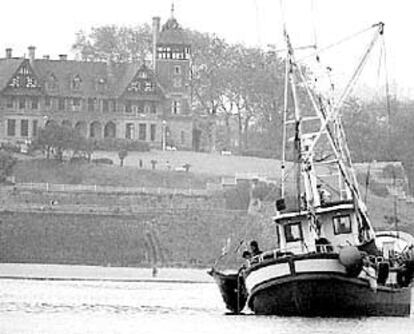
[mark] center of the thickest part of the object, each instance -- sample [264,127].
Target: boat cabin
[323,230]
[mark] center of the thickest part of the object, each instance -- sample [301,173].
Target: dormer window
[31,82]
[177,69]
[52,82]
[23,70]
[134,86]
[15,83]
[23,78]
[76,82]
[148,86]
[143,75]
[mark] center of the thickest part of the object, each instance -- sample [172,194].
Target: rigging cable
[389,125]
[341,41]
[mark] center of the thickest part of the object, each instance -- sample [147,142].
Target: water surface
[31,306]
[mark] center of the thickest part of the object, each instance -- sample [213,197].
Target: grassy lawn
[51,171]
[201,163]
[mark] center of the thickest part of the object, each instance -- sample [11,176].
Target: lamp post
[164,134]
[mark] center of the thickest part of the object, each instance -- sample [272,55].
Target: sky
[51,25]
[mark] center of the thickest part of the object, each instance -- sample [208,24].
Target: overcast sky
[51,25]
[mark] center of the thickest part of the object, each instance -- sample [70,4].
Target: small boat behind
[232,289]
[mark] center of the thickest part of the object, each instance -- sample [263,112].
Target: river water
[32,306]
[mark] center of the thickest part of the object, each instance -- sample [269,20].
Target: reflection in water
[112,307]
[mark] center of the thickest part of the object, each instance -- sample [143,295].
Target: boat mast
[285,111]
[297,119]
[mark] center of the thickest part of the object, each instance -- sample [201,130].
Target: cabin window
[293,232]
[342,224]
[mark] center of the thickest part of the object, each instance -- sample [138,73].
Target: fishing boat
[325,261]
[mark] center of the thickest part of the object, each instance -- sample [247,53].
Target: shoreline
[62,272]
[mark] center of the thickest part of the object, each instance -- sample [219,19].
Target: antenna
[172,9]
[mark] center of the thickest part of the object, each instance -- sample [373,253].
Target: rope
[367,182]
[341,41]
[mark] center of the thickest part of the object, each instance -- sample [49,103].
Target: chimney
[32,52]
[9,53]
[46,57]
[63,57]
[155,32]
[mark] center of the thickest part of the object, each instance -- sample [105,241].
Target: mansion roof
[78,78]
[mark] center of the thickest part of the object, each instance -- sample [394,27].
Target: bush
[117,144]
[80,159]
[105,161]
[7,163]
[266,154]
[10,147]
[238,198]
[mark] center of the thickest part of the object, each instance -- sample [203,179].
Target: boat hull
[327,294]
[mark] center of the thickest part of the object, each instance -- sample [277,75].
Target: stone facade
[102,99]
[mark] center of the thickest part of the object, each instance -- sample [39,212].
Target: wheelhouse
[324,230]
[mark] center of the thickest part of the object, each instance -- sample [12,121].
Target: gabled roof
[8,67]
[133,74]
[115,77]
[65,70]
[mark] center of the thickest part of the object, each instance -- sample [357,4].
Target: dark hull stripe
[327,294]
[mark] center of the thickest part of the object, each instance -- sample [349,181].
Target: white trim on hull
[266,273]
[319,265]
[277,270]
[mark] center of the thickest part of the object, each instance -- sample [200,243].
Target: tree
[226,80]
[120,44]
[56,140]
[7,163]
[122,155]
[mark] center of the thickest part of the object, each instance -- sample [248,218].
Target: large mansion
[147,102]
